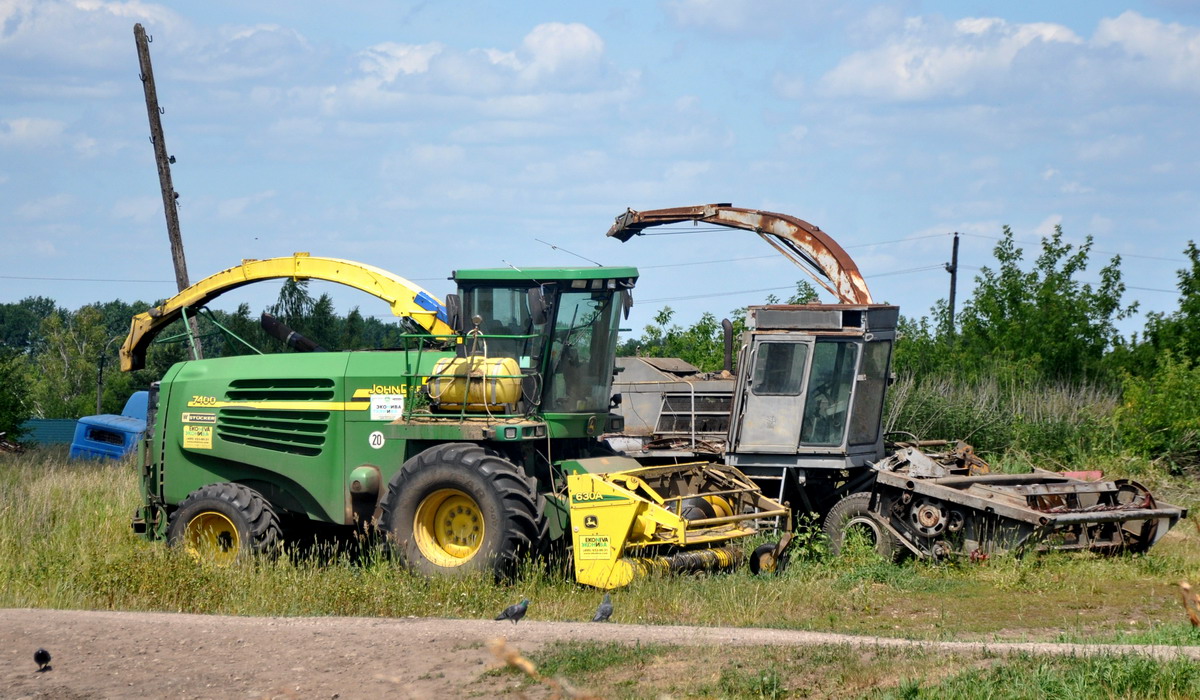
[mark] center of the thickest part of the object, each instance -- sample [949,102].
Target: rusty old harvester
[802,417]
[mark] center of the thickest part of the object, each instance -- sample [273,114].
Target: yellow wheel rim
[721,507]
[766,563]
[211,536]
[448,527]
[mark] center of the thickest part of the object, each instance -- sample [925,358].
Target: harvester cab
[553,329]
[472,444]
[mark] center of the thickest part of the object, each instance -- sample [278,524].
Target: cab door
[772,394]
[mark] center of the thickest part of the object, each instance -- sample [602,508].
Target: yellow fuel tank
[482,383]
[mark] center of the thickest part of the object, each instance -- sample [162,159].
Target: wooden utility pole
[169,195]
[952,268]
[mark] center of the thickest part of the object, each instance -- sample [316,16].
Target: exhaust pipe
[727,329]
[277,329]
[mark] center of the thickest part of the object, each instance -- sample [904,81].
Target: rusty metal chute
[806,245]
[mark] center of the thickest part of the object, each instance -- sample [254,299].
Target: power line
[1101,252]
[706,262]
[719,294]
[82,279]
[937,266]
[776,289]
[776,257]
[897,240]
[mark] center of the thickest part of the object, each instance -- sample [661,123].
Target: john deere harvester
[470,446]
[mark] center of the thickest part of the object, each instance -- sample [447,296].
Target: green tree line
[54,361]
[1034,361]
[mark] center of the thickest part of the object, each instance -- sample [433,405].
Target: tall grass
[625,671]
[65,542]
[1065,422]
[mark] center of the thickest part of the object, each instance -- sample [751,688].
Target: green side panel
[274,422]
[599,465]
[558,515]
[575,425]
[379,383]
[546,274]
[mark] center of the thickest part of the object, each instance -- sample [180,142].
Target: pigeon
[41,657]
[515,612]
[605,610]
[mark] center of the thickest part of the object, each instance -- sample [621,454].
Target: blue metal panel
[48,431]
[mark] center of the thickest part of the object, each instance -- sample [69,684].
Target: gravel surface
[165,655]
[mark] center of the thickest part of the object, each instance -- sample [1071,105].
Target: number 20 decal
[375,440]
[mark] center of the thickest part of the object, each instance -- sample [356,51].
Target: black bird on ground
[605,610]
[42,658]
[515,612]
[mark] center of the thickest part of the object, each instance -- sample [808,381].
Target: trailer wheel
[220,522]
[763,562]
[460,508]
[853,514]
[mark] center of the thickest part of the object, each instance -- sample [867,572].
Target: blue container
[108,436]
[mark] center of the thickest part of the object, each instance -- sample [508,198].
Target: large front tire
[852,515]
[460,508]
[221,522]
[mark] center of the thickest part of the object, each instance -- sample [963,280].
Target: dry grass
[65,542]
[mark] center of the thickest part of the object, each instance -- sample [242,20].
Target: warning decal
[387,406]
[593,547]
[197,437]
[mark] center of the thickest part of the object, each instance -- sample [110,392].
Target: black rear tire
[460,508]
[222,522]
[853,514]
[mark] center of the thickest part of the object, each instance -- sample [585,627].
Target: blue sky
[424,137]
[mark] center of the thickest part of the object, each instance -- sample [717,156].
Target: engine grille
[292,432]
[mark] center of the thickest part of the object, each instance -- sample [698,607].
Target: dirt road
[140,655]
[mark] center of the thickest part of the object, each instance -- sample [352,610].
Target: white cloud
[751,18]
[791,87]
[45,207]
[793,138]
[30,132]
[927,57]
[86,146]
[83,33]
[231,208]
[687,169]
[681,139]
[931,58]
[139,210]
[246,52]
[296,129]
[1167,54]
[500,131]
[552,57]
[1046,226]
[431,156]
[1112,147]
[1101,225]
[561,54]
[388,60]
